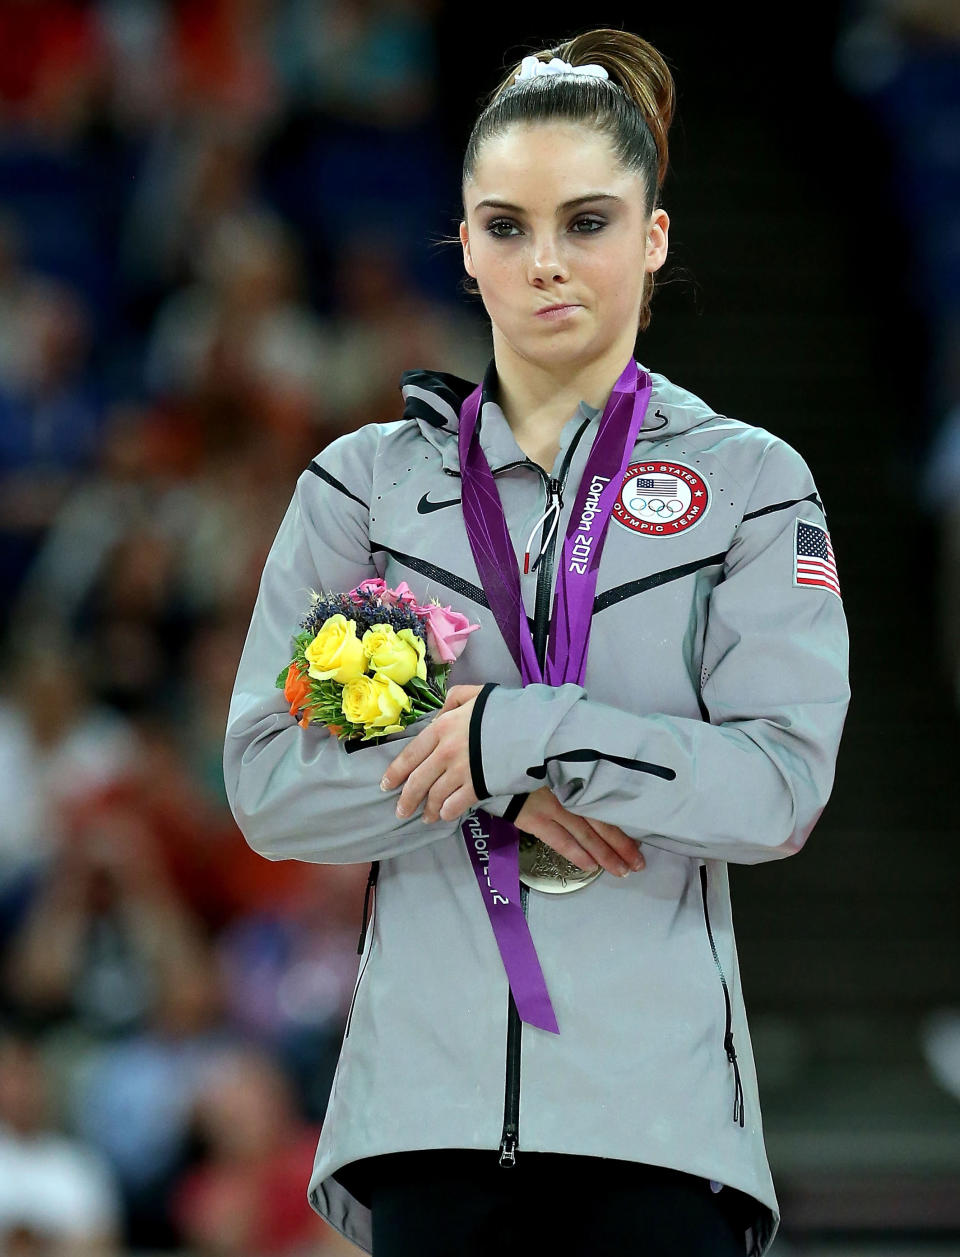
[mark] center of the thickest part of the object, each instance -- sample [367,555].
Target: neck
[537,399]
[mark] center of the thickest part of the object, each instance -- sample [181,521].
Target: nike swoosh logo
[425,506]
[659,414]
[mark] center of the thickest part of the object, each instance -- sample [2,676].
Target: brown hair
[633,108]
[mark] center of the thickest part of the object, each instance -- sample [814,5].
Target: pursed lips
[565,305]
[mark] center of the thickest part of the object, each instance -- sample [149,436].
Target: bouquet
[371,661]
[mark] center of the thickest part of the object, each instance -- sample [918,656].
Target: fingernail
[401,811]
[383,784]
[639,864]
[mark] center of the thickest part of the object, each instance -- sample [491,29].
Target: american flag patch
[659,484]
[813,558]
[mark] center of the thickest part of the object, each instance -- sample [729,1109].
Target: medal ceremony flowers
[371,661]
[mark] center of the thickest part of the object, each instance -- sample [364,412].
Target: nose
[546,263]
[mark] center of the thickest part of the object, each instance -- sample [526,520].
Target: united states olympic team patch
[661,499]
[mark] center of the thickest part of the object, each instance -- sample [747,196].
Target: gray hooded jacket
[715,695]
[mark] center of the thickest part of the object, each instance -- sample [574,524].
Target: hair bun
[640,71]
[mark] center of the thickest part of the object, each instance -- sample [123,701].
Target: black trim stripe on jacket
[587,755]
[476,760]
[449,388]
[420,408]
[332,480]
[513,807]
[619,592]
[783,506]
[465,588]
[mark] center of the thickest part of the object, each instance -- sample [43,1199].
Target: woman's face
[536,248]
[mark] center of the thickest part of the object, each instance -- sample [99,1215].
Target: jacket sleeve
[748,781]
[298,793]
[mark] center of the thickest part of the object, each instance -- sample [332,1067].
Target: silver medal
[542,868]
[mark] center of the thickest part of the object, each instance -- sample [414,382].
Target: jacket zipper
[728,1033]
[510,1136]
[371,883]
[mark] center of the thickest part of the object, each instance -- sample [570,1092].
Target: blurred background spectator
[244,1196]
[902,59]
[221,227]
[58,1195]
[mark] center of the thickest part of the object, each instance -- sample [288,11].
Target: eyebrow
[577,200]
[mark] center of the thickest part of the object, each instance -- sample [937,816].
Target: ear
[657,240]
[467,259]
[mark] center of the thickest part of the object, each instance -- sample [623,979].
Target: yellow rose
[360,700]
[399,656]
[377,637]
[336,652]
[391,701]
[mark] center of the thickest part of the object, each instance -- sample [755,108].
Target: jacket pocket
[728,1030]
[371,883]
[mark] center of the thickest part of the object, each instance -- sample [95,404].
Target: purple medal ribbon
[493,843]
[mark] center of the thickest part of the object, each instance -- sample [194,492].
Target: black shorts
[456,1202]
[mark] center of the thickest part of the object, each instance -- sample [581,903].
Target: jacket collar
[433,399]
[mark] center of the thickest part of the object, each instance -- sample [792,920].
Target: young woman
[658,689]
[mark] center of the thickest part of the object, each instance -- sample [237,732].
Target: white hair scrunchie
[531,66]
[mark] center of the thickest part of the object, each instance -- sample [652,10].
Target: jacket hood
[434,398]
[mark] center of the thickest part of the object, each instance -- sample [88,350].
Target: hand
[582,840]
[435,765]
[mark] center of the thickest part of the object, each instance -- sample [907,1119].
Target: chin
[562,347]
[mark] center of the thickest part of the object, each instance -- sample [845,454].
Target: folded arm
[299,793]
[749,783]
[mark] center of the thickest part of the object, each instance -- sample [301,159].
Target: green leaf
[423,690]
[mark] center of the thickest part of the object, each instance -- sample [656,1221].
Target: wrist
[506,806]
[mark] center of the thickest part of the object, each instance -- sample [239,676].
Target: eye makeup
[591,225]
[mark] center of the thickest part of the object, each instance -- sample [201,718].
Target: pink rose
[375,585]
[447,632]
[402,594]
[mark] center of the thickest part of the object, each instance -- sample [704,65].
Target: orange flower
[296,691]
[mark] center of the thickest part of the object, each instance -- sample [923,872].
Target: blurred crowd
[901,58]
[218,229]
[215,256]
